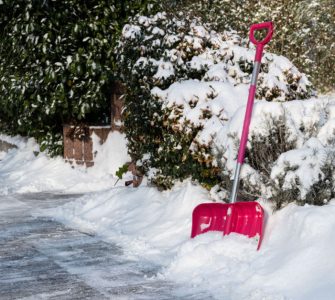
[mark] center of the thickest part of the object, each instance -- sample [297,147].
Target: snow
[157,30]
[148,223]
[191,99]
[293,263]
[131,31]
[111,155]
[165,70]
[295,260]
[307,160]
[309,124]
[26,169]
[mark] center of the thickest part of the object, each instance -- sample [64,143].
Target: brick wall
[78,144]
[79,147]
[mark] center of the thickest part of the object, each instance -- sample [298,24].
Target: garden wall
[78,144]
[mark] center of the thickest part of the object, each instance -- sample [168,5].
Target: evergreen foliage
[304,29]
[57,63]
[177,55]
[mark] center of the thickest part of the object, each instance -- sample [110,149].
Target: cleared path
[43,259]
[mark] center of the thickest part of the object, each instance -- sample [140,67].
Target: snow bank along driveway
[296,259]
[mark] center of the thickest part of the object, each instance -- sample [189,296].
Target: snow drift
[295,260]
[26,169]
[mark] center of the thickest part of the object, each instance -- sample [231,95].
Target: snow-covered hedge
[290,153]
[166,49]
[304,30]
[184,82]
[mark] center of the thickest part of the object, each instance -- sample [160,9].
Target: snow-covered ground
[26,169]
[295,261]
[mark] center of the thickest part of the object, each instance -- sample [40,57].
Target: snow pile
[26,169]
[293,262]
[148,223]
[111,155]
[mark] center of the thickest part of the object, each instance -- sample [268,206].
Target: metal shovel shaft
[251,98]
[245,131]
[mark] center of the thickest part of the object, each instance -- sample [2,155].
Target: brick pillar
[68,143]
[116,106]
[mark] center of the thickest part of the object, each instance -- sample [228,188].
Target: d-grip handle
[260,26]
[260,44]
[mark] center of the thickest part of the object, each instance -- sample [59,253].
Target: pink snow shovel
[246,218]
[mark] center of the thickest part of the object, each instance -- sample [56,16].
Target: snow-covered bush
[304,29]
[290,154]
[184,82]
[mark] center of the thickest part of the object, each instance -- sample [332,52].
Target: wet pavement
[43,259]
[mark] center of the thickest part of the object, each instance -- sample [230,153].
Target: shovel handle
[251,98]
[260,26]
[260,44]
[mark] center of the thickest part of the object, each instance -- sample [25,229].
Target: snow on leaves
[190,82]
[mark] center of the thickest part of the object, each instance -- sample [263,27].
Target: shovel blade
[245,218]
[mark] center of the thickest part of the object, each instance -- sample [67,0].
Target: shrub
[304,29]
[181,78]
[57,63]
[290,153]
